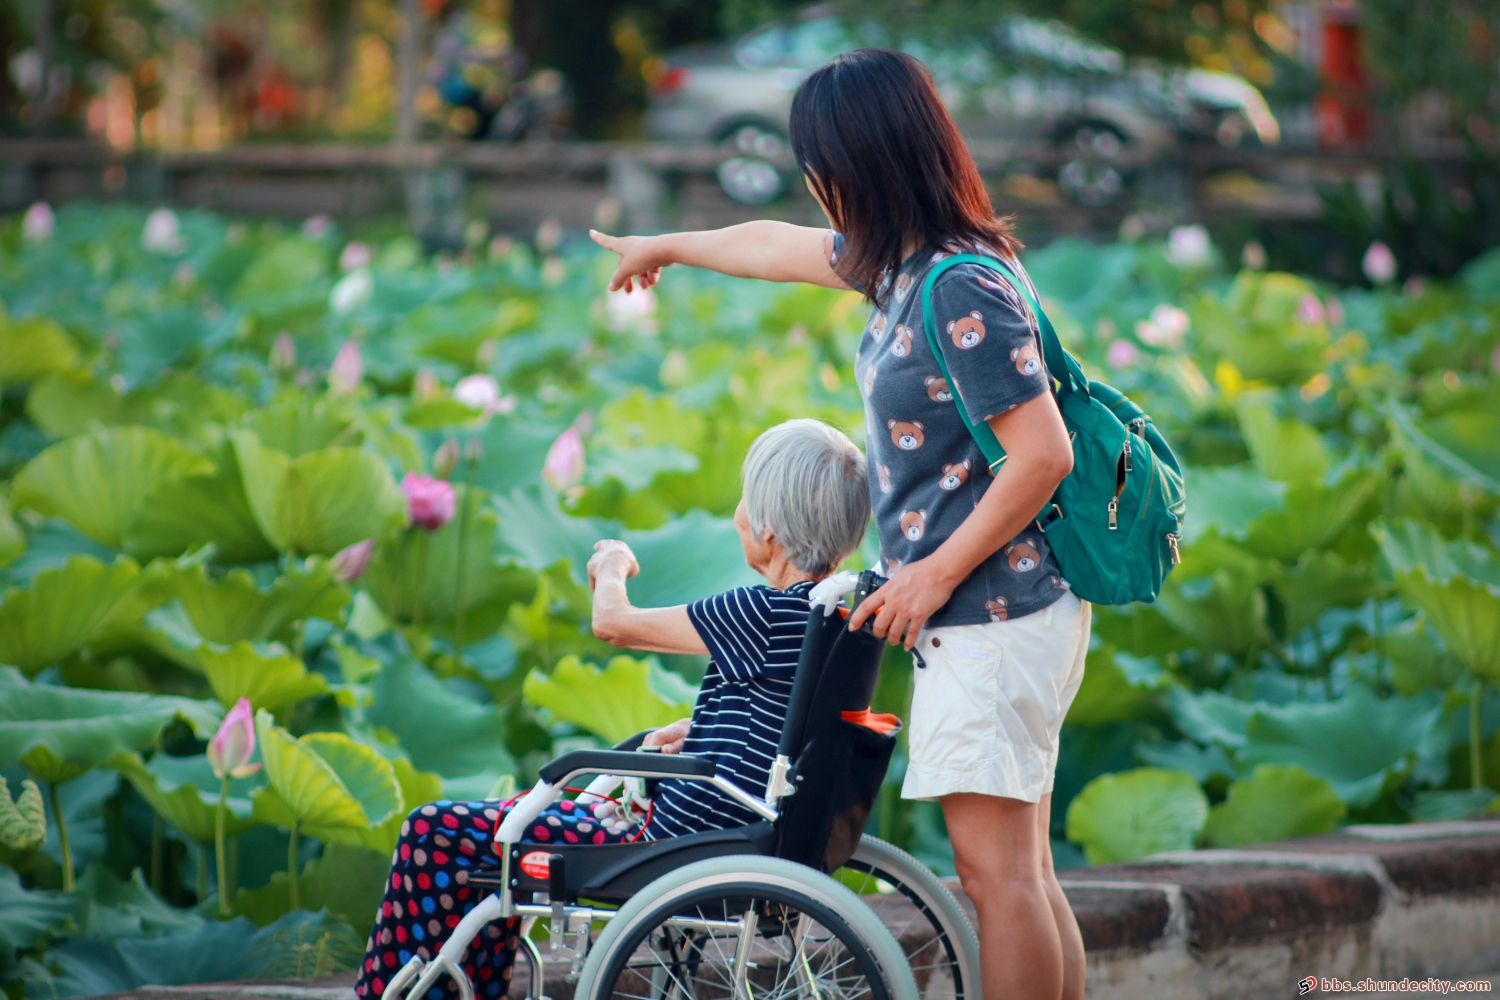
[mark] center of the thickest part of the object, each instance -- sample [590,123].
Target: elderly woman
[804,510]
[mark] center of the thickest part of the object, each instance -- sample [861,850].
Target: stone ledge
[1418,901]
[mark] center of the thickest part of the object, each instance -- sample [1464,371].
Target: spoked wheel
[928,924]
[746,928]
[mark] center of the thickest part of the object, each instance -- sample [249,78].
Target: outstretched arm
[772,251]
[619,623]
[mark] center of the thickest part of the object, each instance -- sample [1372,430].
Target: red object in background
[673,79]
[1343,108]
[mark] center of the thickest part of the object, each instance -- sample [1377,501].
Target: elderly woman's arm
[619,623]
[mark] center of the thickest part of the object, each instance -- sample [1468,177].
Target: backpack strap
[1061,365]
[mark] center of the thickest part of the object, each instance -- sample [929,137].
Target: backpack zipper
[1114,507]
[1172,538]
[1138,425]
[1127,454]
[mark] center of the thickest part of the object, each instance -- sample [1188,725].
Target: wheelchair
[783,908]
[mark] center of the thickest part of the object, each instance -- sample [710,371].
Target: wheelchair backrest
[837,765]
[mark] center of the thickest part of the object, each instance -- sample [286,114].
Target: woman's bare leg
[1074,965]
[1001,850]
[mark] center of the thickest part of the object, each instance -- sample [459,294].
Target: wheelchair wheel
[745,928]
[932,929]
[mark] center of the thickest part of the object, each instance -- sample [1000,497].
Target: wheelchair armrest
[626,762]
[633,742]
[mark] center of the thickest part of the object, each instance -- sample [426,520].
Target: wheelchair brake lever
[557,895]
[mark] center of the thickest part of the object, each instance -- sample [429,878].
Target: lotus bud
[474,448]
[430,502]
[348,563]
[426,385]
[317,226]
[162,233]
[283,354]
[1254,256]
[1310,311]
[354,289]
[348,370]
[234,744]
[478,392]
[563,469]
[38,223]
[1189,247]
[355,256]
[1121,354]
[445,459]
[548,235]
[1379,264]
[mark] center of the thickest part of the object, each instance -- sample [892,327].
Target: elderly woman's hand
[612,556]
[669,738]
[902,605]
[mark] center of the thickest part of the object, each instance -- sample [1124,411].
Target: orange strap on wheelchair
[880,722]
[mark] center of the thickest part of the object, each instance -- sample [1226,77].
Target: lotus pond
[356,485]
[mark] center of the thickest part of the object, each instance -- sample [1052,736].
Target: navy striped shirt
[754,636]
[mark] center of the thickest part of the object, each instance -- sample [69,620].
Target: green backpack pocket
[1115,522]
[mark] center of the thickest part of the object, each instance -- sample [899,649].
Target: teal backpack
[1114,524]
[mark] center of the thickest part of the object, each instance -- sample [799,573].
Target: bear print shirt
[926,472]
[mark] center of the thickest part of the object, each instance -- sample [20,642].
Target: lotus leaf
[539,534]
[235,609]
[186,514]
[1409,546]
[60,610]
[1462,444]
[1358,744]
[1228,498]
[1210,717]
[1417,663]
[347,882]
[613,703]
[287,264]
[1438,806]
[1204,764]
[514,451]
[417,789]
[177,798]
[1287,451]
[214,953]
[23,821]
[27,917]
[109,909]
[85,729]
[33,347]
[1224,612]
[434,414]
[1457,586]
[1310,518]
[1319,581]
[12,542]
[322,501]
[1276,802]
[1134,814]
[418,571]
[323,784]
[1107,693]
[298,426]
[444,732]
[98,482]
[269,681]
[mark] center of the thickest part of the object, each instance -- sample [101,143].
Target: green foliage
[613,703]
[1132,814]
[23,821]
[33,347]
[443,731]
[346,881]
[60,610]
[1275,803]
[323,784]
[269,680]
[185,793]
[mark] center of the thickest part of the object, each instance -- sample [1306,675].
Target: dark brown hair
[871,134]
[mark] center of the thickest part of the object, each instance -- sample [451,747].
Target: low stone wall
[1386,902]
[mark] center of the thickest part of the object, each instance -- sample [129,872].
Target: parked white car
[1027,80]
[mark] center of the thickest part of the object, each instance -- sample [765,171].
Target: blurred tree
[1442,50]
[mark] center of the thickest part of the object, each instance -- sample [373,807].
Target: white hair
[806,482]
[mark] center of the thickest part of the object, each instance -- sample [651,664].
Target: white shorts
[988,707]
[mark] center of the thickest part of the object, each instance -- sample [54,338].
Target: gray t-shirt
[926,472]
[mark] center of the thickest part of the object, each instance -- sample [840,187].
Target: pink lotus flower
[563,469]
[1310,311]
[317,226]
[348,370]
[283,354]
[445,459]
[38,223]
[1254,256]
[162,233]
[234,744]
[1122,354]
[478,392]
[429,501]
[1379,264]
[349,562]
[355,256]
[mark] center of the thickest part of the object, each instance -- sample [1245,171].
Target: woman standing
[973,588]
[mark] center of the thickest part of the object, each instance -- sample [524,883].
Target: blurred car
[1027,80]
